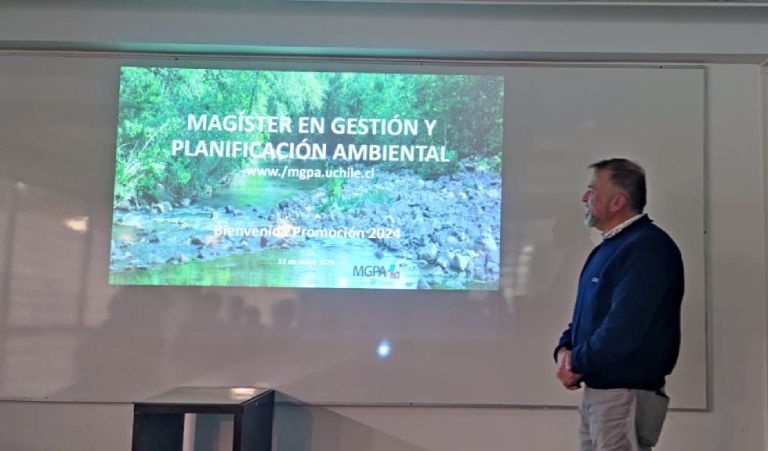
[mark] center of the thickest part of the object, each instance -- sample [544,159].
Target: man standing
[624,337]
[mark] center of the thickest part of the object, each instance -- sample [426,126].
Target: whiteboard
[67,335]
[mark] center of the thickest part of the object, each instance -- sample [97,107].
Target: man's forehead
[600,177]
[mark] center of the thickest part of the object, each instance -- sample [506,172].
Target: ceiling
[566,12]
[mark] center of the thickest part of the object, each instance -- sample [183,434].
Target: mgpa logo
[392,272]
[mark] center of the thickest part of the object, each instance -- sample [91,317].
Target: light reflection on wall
[78,224]
[41,297]
[523,269]
[47,259]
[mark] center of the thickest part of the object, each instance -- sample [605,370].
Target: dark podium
[158,422]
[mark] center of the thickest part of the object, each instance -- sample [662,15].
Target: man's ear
[618,202]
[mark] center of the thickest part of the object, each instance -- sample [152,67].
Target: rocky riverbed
[446,229]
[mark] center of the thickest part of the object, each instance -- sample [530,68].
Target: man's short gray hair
[627,176]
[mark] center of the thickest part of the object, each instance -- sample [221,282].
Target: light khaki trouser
[621,419]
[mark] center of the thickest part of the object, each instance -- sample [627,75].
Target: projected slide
[307,179]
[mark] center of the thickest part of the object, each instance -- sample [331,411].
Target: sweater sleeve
[642,283]
[565,341]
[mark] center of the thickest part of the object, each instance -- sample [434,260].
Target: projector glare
[384,349]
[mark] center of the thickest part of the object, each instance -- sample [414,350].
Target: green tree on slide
[155,103]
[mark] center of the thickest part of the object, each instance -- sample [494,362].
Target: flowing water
[326,262]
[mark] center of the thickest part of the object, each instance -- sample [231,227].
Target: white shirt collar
[614,231]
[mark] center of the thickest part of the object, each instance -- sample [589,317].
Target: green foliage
[432,170]
[334,187]
[155,104]
[467,110]
[336,200]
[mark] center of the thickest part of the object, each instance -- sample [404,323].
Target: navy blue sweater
[625,331]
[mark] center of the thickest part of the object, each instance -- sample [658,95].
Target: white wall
[235,26]
[736,198]
[738,317]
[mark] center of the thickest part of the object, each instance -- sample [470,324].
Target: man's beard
[589,219]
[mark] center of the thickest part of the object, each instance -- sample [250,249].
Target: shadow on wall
[302,427]
[169,337]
